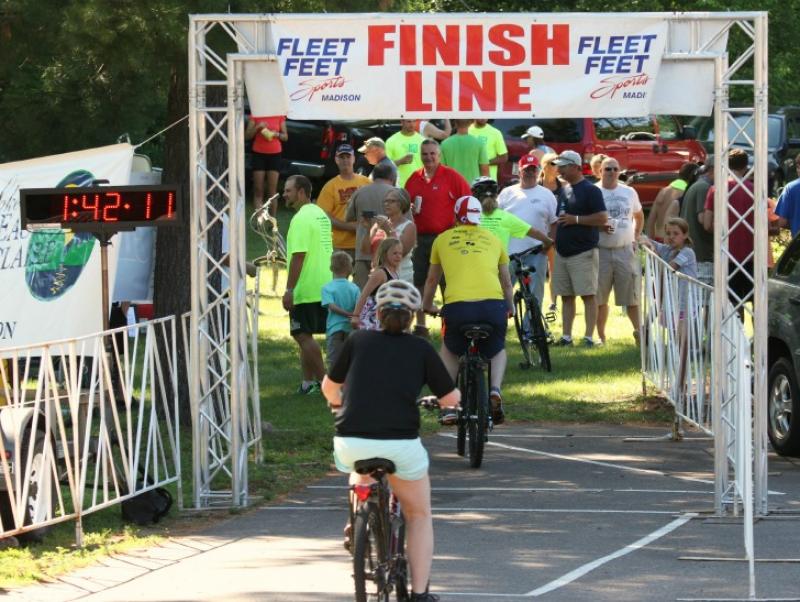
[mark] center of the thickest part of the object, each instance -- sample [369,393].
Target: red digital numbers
[114,205]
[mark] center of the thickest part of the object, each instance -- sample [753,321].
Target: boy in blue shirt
[339,296]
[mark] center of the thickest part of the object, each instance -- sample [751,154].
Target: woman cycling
[384,421]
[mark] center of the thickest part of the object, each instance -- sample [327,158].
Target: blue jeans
[539,263]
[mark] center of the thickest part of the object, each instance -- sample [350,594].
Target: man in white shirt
[619,264]
[535,205]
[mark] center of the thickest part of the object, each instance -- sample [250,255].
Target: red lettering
[483,93]
[408,45]
[444,90]
[513,90]
[435,44]
[541,40]
[474,44]
[414,92]
[512,53]
[378,44]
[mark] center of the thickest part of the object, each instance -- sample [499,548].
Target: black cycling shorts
[490,311]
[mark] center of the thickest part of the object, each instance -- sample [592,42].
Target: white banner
[50,281]
[385,66]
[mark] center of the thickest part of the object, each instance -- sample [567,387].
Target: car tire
[783,408]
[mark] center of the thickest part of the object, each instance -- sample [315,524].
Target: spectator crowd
[578,229]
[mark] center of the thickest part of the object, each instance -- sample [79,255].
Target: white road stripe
[448,509]
[540,489]
[586,568]
[587,461]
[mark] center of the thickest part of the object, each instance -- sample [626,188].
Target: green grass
[586,385]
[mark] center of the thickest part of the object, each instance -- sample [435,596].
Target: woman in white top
[396,224]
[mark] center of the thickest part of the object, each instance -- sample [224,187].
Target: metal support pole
[720,283]
[761,240]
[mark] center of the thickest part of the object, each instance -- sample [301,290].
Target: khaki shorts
[621,269]
[575,276]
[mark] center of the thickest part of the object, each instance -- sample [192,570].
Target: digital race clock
[99,208]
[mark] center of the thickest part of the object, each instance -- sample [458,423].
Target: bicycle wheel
[399,561]
[369,556]
[524,340]
[478,415]
[461,435]
[540,335]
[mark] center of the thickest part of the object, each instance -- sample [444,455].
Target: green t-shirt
[310,233]
[504,225]
[492,140]
[465,154]
[398,146]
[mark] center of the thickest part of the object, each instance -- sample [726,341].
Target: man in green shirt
[492,140]
[403,148]
[464,153]
[309,245]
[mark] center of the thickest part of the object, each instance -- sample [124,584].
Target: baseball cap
[534,131]
[345,149]
[528,161]
[568,157]
[374,141]
[468,210]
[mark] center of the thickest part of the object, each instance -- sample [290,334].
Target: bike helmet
[484,186]
[398,294]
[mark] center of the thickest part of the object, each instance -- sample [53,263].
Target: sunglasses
[611,168]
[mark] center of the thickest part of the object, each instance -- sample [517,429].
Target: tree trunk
[172,278]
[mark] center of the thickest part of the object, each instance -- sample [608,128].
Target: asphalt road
[560,512]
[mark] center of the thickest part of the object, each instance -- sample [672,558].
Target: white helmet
[399,294]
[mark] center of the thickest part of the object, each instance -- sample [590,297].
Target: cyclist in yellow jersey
[475,266]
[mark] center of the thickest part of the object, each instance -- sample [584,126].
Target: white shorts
[409,456]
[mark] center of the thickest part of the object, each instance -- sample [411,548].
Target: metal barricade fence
[677,359]
[676,341]
[87,423]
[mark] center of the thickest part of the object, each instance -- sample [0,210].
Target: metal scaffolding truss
[224,403]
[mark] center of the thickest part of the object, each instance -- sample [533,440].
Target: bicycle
[474,419]
[378,531]
[528,318]
[263,223]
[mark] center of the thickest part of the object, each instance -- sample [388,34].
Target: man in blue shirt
[581,211]
[788,207]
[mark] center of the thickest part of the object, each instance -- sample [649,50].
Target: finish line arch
[527,64]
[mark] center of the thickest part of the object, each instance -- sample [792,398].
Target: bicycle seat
[477,330]
[373,465]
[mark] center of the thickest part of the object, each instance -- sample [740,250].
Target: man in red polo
[434,190]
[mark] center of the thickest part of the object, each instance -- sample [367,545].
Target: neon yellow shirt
[504,225]
[470,257]
[398,146]
[493,140]
[310,233]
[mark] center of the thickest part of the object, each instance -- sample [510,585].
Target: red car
[652,148]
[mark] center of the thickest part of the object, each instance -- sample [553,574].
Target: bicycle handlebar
[532,251]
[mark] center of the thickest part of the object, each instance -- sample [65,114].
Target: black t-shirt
[582,198]
[383,376]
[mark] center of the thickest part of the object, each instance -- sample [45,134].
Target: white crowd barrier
[676,340]
[678,359]
[87,423]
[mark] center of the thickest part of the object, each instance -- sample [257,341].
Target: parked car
[654,147]
[781,148]
[783,399]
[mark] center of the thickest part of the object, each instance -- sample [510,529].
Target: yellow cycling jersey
[470,258]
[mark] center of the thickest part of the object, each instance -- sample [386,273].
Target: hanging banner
[50,280]
[493,65]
